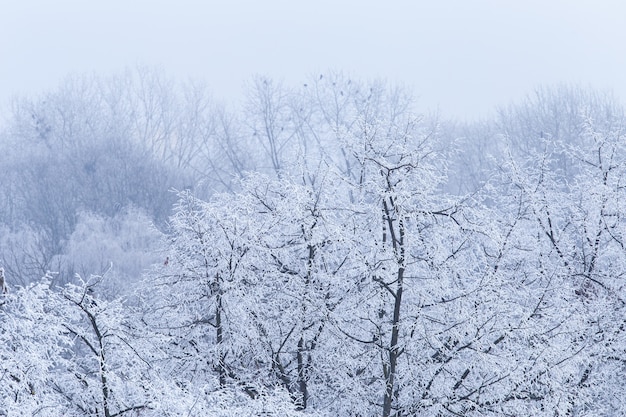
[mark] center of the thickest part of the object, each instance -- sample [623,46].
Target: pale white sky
[461,56]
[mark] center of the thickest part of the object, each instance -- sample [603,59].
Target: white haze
[460,57]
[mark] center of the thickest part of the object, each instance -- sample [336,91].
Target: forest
[319,249]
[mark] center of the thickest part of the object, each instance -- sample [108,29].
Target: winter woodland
[323,249]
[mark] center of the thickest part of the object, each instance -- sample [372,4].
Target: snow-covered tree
[32,348]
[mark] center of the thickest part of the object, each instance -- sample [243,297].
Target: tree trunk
[397,239]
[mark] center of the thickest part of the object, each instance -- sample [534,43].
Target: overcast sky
[463,57]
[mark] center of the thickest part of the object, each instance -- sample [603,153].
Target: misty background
[462,58]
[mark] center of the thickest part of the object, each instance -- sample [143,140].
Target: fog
[459,57]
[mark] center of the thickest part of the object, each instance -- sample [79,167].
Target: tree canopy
[321,250]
